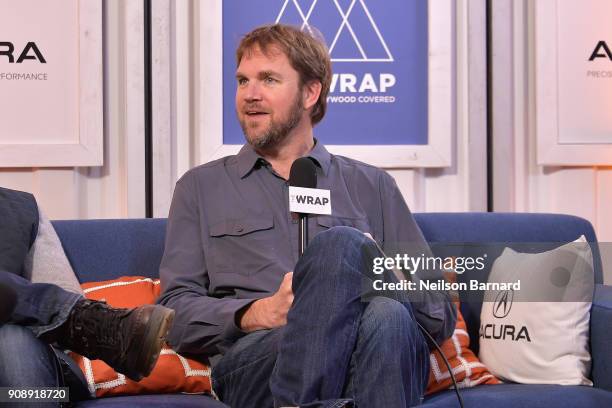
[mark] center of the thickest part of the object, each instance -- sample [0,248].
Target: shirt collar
[320,154]
[247,158]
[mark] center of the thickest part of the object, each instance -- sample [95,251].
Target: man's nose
[252,92]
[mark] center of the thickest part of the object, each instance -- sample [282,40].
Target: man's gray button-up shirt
[231,238]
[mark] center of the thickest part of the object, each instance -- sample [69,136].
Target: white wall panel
[462,187]
[520,184]
[163,136]
[116,189]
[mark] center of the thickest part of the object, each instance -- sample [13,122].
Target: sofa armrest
[601,337]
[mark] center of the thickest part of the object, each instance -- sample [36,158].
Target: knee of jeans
[336,250]
[25,360]
[384,316]
[340,235]
[339,242]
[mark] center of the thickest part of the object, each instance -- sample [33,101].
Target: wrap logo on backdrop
[345,24]
[379,53]
[363,44]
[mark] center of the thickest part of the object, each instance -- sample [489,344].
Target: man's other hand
[269,312]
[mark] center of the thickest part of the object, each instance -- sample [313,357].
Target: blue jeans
[336,350]
[24,358]
[40,306]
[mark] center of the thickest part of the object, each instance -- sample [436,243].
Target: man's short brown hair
[306,54]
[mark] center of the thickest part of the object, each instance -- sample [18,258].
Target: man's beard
[277,131]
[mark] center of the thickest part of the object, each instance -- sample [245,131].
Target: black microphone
[8,301]
[303,174]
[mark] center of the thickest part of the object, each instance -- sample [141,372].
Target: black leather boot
[128,340]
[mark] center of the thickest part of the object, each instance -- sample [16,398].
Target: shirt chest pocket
[243,245]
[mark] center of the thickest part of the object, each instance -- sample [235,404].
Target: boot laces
[99,327]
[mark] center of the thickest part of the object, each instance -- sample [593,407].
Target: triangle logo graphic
[357,37]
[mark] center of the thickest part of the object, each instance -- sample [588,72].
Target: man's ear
[310,93]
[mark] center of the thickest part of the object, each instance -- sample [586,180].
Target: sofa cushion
[172,373]
[524,396]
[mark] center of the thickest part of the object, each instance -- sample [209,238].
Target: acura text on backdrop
[39,72]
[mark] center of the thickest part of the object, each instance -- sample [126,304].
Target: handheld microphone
[8,301]
[303,174]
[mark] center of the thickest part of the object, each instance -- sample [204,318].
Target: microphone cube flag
[309,200]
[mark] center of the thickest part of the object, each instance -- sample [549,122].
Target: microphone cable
[448,366]
[430,339]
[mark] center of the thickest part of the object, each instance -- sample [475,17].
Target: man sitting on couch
[38,314]
[282,338]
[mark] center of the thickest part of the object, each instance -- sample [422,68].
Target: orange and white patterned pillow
[467,368]
[173,373]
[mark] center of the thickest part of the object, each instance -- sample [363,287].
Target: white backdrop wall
[520,184]
[117,189]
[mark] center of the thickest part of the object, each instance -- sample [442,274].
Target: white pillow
[540,334]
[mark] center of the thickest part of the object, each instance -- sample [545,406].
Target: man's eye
[269,80]
[242,81]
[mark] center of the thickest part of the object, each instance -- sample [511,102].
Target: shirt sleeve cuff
[231,332]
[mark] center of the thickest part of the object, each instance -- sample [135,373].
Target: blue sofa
[106,249]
